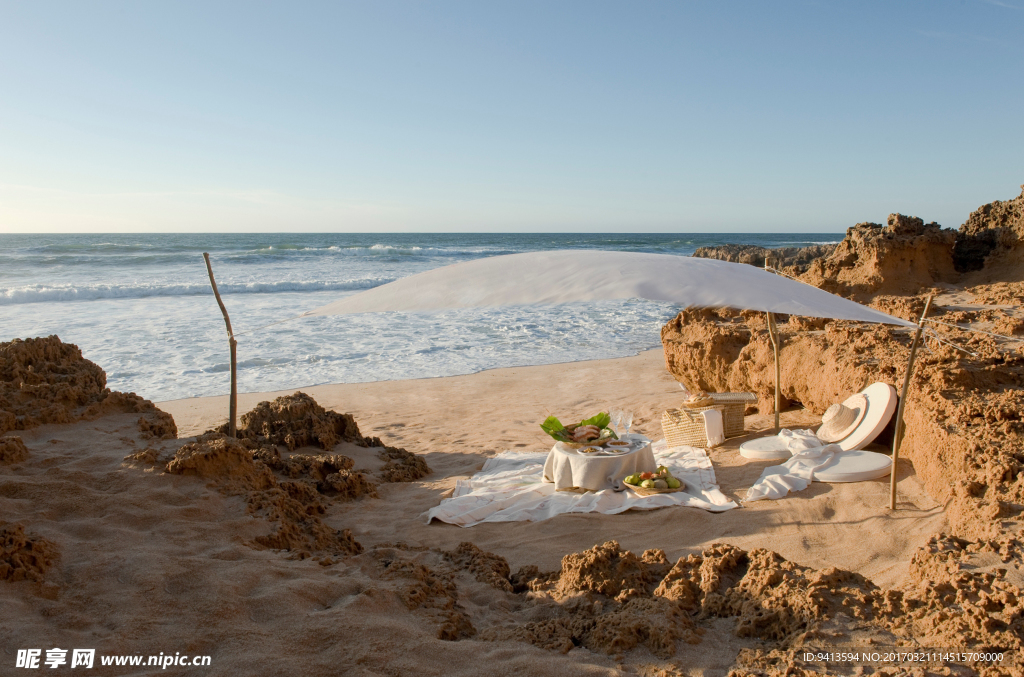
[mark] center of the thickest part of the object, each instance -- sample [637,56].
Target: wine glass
[616,421]
[627,420]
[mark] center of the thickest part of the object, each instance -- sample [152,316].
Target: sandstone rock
[12,450]
[990,244]
[902,257]
[43,380]
[297,420]
[785,257]
[24,556]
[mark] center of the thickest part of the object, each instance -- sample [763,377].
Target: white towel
[793,475]
[713,426]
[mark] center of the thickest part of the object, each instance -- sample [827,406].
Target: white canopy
[563,276]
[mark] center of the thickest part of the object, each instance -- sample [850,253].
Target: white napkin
[799,440]
[793,475]
[714,426]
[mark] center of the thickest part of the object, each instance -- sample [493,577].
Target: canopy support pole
[773,334]
[897,437]
[233,401]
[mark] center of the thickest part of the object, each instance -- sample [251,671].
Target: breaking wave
[51,293]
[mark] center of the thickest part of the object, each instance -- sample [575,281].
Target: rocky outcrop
[12,450]
[990,243]
[44,380]
[902,257]
[611,600]
[964,420]
[24,556]
[297,420]
[787,257]
[906,256]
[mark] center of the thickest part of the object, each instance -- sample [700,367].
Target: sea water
[141,306]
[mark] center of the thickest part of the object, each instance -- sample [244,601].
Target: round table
[569,469]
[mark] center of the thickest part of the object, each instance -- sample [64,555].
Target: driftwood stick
[897,437]
[233,401]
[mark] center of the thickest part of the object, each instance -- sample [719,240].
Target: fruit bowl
[662,476]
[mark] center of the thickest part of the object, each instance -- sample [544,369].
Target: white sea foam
[45,293]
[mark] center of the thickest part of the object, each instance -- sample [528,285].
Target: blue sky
[505,116]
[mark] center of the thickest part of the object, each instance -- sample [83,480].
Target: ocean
[141,307]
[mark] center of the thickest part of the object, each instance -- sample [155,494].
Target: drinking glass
[627,420]
[616,422]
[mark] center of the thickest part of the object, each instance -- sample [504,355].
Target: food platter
[580,445]
[590,432]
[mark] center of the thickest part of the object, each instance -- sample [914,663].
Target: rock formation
[43,380]
[902,257]
[786,257]
[964,419]
[297,420]
[991,242]
[24,556]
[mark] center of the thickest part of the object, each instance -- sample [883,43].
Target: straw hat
[840,420]
[872,409]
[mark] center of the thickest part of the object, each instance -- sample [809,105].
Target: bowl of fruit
[658,482]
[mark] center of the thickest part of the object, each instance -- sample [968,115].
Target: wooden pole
[773,334]
[233,401]
[897,437]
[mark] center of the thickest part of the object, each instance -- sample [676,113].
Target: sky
[505,116]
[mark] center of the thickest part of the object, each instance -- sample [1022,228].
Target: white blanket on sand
[809,454]
[511,488]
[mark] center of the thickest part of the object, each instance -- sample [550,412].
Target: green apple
[647,484]
[673,483]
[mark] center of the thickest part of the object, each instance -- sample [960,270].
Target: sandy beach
[150,562]
[458,422]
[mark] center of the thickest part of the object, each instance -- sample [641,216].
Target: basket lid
[733,397]
[698,402]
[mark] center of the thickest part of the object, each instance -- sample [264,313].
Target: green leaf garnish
[553,427]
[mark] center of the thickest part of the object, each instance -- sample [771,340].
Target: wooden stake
[773,334]
[233,401]
[898,434]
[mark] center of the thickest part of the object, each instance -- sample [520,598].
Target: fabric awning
[565,276]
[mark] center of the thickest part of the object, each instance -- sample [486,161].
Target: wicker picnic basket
[685,427]
[735,405]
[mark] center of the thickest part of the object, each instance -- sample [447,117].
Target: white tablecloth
[510,489]
[570,469]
